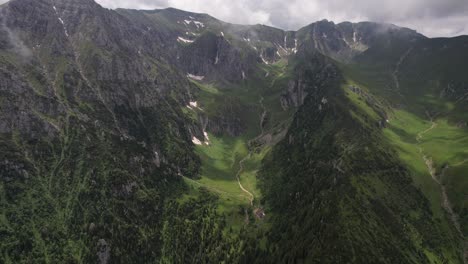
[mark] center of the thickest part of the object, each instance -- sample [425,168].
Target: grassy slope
[432,66]
[412,134]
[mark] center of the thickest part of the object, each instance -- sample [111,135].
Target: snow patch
[217,57]
[193,104]
[343,37]
[294,50]
[196,141]
[354,36]
[184,40]
[195,77]
[263,59]
[282,48]
[198,24]
[207,138]
[61,21]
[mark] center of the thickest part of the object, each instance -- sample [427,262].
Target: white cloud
[430,17]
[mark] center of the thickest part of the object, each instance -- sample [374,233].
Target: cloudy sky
[434,18]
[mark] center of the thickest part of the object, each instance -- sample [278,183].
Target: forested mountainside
[165,136]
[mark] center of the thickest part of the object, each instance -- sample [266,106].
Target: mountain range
[166,136]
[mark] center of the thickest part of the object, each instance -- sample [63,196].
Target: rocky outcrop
[309,77]
[91,131]
[345,41]
[294,95]
[104,251]
[213,57]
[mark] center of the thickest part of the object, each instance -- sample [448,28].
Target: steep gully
[397,70]
[76,56]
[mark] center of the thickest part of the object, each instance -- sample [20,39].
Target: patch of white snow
[263,59]
[184,40]
[195,77]
[196,141]
[61,21]
[217,57]
[198,23]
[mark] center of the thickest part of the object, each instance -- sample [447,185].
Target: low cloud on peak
[434,18]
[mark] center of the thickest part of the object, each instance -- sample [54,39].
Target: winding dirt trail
[239,172]
[433,172]
[241,163]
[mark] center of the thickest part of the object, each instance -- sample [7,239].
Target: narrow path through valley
[433,172]
[241,163]
[241,168]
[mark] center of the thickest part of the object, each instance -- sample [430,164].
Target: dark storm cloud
[430,17]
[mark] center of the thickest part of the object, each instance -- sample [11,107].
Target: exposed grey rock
[294,96]
[103,252]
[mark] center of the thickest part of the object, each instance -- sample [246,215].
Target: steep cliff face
[345,41]
[213,57]
[92,134]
